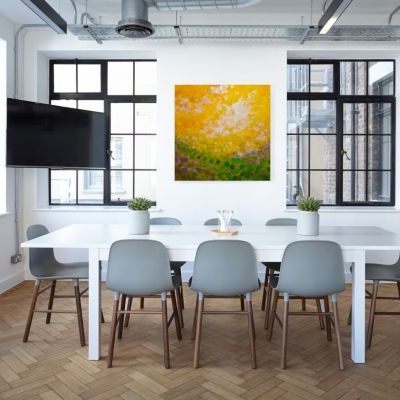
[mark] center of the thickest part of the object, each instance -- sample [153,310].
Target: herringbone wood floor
[53,365]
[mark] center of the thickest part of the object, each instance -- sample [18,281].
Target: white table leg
[94,305]
[358,309]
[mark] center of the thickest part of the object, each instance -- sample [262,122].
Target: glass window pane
[379,186]
[298,78]
[323,186]
[297,150]
[354,186]
[355,148]
[321,78]
[145,151]
[89,78]
[64,78]
[380,118]
[121,118]
[122,151]
[353,78]
[121,185]
[381,78]
[146,78]
[90,187]
[297,185]
[297,116]
[145,118]
[323,152]
[120,78]
[355,118]
[145,184]
[379,152]
[323,116]
[91,105]
[64,103]
[63,186]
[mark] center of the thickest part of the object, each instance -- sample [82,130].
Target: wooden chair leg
[320,317]
[195,319]
[285,332]
[252,333]
[79,312]
[179,306]
[328,320]
[176,315]
[199,321]
[165,332]
[31,311]
[241,303]
[102,317]
[141,303]
[372,314]
[264,296]
[272,314]
[398,288]
[303,305]
[51,300]
[114,321]
[268,306]
[338,334]
[349,317]
[121,317]
[128,308]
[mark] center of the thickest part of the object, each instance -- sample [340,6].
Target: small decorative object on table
[224,218]
[139,219]
[308,220]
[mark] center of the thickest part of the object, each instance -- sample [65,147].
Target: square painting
[222,132]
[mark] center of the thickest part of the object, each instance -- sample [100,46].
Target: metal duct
[180,5]
[135,23]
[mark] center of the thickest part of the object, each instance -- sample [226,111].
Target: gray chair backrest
[282,222]
[225,268]
[215,222]
[165,221]
[312,268]
[139,268]
[41,261]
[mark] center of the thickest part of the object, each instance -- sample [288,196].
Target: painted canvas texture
[222,132]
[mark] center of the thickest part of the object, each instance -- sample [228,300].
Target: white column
[358,309]
[94,305]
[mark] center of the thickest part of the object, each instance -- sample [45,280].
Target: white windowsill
[89,209]
[322,210]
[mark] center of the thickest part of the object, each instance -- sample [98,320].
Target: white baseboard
[11,281]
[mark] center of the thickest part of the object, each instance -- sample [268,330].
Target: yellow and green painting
[222,132]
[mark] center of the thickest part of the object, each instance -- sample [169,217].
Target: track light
[42,9]
[332,14]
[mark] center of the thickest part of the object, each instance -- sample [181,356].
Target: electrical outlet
[16,258]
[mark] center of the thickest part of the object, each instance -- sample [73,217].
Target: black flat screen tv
[42,135]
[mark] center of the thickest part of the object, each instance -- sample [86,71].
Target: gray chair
[224,268]
[175,268]
[215,222]
[377,273]
[139,268]
[44,266]
[310,269]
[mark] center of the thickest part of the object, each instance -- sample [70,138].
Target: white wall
[193,202]
[9,274]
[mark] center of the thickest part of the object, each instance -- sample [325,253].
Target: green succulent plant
[139,204]
[309,204]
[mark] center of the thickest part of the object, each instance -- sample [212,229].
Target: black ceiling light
[332,14]
[42,9]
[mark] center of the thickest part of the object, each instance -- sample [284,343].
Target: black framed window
[125,90]
[341,131]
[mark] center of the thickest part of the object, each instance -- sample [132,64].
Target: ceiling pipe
[89,17]
[396,10]
[75,11]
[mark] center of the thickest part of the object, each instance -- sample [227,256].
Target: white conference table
[182,241]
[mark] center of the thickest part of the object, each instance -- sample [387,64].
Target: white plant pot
[308,223]
[139,222]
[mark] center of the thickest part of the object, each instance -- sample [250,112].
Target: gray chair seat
[76,270]
[381,272]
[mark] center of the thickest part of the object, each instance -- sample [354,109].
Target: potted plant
[308,220]
[139,219]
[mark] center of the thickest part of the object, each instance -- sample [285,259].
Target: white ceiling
[290,11]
